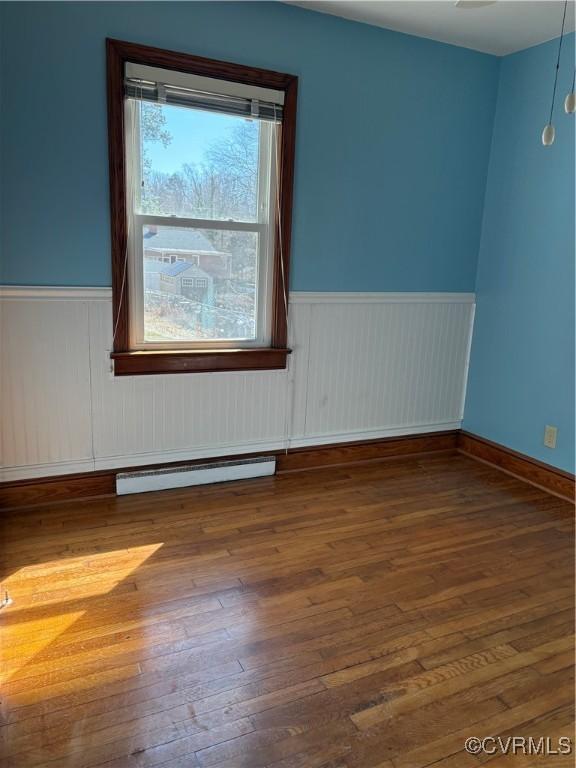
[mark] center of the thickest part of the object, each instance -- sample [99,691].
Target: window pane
[199,284]
[198,164]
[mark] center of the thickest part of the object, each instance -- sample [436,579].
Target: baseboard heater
[194,474]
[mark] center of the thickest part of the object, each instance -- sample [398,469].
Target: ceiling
[499,28]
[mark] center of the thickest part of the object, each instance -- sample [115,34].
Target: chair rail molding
[359,297]
[364,366]
[59,293]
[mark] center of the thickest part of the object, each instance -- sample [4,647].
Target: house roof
[176,269]
[176,239]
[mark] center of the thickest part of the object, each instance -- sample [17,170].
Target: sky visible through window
[193,132]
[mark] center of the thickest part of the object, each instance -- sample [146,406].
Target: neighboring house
[171,245]
[179,278]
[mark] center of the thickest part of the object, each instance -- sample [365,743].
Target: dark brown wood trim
[317,456]
[142,363]
[118,214]
[119,52]
[535,472]
[24,493]
[83,485]
[45,490]
[284,222]
[200,65]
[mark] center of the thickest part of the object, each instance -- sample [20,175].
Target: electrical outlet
[550,434]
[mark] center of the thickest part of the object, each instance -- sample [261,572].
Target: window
[201,167]
[190,282]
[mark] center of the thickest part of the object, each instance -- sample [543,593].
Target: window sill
[193,361]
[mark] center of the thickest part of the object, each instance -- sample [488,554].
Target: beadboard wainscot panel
[363,366]
[45,382]
[162,418]
[384,364]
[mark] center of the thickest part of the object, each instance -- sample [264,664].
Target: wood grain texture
[366,450]
[283,223]
[139,363]
[21,493]
[372,616]
[118,211]
[118,53]
[531,470]
[24,493]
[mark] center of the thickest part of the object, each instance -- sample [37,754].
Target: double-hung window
[201,164]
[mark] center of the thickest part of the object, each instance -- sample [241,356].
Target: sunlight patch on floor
[22,641]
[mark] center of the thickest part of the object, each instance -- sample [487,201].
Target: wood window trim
[129,362]
[198,361]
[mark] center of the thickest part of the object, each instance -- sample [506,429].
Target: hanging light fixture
[570,100]
[549,133]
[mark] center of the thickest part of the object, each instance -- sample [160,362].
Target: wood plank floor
[365,617]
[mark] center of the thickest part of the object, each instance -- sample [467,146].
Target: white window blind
[206,93]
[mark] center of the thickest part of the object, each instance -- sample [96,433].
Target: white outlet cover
[550,434]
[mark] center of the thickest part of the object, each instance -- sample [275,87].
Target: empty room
[287,384]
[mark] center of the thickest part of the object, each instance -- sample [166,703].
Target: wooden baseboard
[532,471]
[27,493]
[44,490]
[317,456]
[86,485]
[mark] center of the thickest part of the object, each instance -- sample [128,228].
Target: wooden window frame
[129,362]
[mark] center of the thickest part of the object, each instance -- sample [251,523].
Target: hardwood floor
[366,617]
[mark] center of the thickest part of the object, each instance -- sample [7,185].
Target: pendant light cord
[558,60]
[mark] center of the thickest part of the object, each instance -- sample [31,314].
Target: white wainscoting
[364,366]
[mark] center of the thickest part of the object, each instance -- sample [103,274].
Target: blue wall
[392,151]
[522,366]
